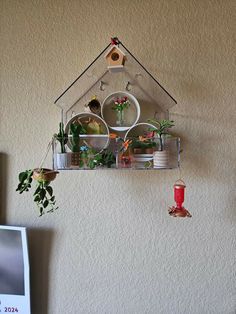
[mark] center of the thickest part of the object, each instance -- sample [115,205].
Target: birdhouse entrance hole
[115,56]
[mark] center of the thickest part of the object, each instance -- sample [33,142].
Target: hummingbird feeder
[179,210]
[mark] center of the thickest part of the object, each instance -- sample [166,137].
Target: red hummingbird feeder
[179,210]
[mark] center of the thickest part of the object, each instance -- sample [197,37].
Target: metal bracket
[128,86]
[101,86]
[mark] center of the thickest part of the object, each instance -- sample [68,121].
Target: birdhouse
[115,58]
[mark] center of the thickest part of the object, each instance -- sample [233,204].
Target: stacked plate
[143,160]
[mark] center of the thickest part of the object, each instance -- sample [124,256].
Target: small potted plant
[89,158]
[63,159]
[43,194]
[143,145]
[161,156]
[75,131]
[120,104]
[108,159]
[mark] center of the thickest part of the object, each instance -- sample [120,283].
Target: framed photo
[14,271]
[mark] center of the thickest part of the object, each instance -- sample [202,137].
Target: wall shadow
[3,187]
[40,244]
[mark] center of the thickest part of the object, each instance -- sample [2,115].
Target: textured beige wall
[111,247]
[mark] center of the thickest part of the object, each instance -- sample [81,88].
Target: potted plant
[89,158]
[75,131]
[108,159]
[143,145]
[63,159]
[43,194]
[161,156]
[120,104]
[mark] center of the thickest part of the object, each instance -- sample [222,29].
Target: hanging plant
[43,194]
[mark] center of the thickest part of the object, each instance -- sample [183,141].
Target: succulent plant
[75,131]
[160,128]
[62,137]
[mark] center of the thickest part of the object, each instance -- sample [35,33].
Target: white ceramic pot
[63,160]
[161,159]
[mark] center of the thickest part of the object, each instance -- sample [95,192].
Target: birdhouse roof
[112,48]
[97,80]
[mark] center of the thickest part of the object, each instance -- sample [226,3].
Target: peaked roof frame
[120,43]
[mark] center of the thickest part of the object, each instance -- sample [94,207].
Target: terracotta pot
[137,151]
[43,174]
[75,159]
[148,151]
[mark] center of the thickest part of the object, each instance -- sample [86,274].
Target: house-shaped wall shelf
[91,111]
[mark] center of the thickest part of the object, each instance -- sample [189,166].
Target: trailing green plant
[25,180]
[44,198]
[108,158]
[75,131]
[62,137]
[43,195]
[94,159]
[91,158]
[161,128]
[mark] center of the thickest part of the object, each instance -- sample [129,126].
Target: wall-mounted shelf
[92,101]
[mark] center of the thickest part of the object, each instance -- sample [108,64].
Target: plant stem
[161,143]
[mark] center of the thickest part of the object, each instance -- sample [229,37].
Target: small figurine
[93,106]
[115,41]
[179,210]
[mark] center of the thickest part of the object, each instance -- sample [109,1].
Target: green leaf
[42,194]
[52,199]
[45,204]
[91,164]
[37,190]
[19,187]
[49,190]
[41,211]
[23,176]
[37,198]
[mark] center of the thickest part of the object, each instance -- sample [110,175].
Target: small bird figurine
[115,41]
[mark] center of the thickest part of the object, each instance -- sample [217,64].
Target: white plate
[143,159]
[143,155]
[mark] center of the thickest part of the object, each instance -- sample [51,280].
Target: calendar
[14,271]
